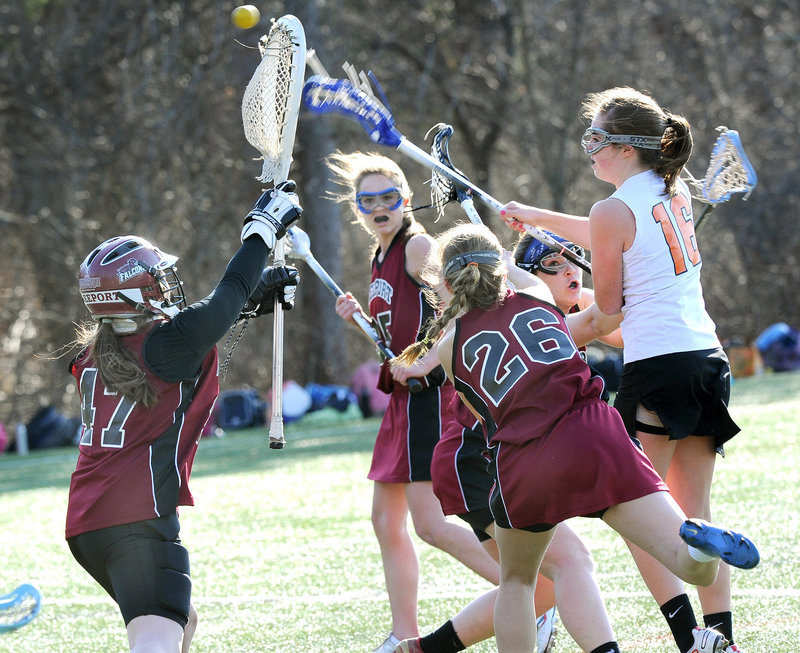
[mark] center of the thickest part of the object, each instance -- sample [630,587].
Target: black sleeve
[176,349]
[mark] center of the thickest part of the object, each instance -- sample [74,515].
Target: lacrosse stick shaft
[270,107]
[703,215]
[276,439]
[360,319]
[421,156]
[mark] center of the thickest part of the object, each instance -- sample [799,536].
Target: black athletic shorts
[479,521]
[689,391]
[143,566]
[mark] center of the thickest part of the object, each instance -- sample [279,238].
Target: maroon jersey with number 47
[135,462]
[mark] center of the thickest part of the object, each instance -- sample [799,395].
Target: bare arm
[590,324]
[613,229]
[614,337]
[525,281]
[574,228]
[423,366]
[417,249]
[444,348]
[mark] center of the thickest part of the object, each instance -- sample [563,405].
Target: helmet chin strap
[169,311]
[125,325]
[152,309]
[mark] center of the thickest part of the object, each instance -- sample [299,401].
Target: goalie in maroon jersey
[148,378]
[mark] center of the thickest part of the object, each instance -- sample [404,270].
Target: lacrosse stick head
[729,170]
[329,95]
[19,607]
[444,188]
[271,101]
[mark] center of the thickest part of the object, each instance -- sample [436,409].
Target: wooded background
[124,116]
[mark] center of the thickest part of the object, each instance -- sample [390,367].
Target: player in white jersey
[675,385]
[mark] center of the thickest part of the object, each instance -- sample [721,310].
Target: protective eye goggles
[389,198]
[594,140]
[553,262]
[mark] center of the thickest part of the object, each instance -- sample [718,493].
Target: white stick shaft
[359,318]
[423,157]
[276,439]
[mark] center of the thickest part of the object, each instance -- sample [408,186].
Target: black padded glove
[281,279]
[276,210]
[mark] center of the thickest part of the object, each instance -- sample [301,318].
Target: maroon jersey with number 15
[396,303]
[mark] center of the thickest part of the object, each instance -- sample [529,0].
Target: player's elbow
[608,305]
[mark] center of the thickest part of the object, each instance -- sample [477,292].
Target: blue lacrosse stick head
[328,95]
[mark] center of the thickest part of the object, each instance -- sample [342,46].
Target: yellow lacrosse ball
[245,16]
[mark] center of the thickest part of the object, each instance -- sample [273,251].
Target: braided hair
[468,262]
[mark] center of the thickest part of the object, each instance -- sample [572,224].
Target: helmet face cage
[127,277]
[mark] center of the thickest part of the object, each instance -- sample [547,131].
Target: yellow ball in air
[245,16]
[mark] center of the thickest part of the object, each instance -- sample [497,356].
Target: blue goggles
[388,198]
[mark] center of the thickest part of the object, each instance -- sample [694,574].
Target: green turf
[284,559]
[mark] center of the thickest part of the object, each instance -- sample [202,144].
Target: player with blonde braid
[513,361]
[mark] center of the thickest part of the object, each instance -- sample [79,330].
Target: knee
[194,619]
[703,574]
[388,530]
[428,533]
[570,556]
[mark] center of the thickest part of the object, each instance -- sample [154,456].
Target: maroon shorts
[461,480]
[586,464]
[410,429]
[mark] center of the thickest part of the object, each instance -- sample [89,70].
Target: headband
[463,260]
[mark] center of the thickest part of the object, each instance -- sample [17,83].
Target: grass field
[284,559]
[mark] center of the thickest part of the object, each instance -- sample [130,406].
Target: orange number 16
[681,209]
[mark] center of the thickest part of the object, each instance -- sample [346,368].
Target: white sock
[700,556]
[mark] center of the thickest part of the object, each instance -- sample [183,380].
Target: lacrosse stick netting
[271,100]
[729,171]
[270,108]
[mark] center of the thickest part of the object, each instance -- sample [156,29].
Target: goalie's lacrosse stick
[729,171]
[301,245]
[270,107]
[19,607]
[327,95]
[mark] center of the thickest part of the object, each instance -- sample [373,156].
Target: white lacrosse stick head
[271,101]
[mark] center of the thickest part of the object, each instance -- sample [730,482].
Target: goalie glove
[281,280]
[276,210]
